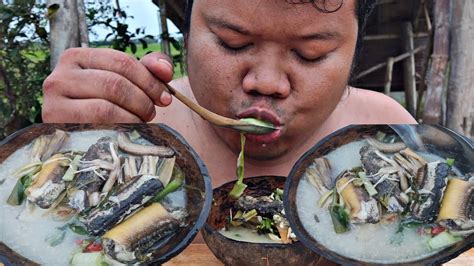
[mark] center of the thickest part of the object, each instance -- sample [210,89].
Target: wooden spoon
[218,120]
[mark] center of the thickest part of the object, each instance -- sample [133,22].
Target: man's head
[285,61]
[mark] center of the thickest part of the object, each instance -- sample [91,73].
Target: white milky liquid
[26,232]
[368,242]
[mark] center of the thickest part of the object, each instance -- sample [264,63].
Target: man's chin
[265,153]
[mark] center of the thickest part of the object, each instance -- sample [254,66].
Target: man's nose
[267,78]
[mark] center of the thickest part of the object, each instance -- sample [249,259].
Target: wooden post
[81,18]
[67,28]
[165,45]
[436,79]
[409,69]
[388,75]
[460,102]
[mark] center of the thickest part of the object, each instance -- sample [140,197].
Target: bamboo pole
[409,68]
[460,100]
[388,75]
[165,44]
[436,79]
[395,60]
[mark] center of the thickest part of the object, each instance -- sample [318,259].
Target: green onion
[175,184]
[239,186]
[442,240]
[325,197]
[450,161]
[367,185]
[278,194]
[380,136]
[18,193]
[339,216]
[71,171]
[90,258]
[134,135]
[265,226]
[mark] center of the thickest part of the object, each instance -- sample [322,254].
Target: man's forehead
[257,16]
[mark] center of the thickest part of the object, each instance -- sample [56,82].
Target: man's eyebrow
[228,25]
[324,36]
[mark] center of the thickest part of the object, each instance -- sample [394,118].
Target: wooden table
[199,254]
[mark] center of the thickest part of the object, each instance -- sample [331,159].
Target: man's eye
[305,60]
[233,49]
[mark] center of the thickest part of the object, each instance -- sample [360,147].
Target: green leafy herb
[78,229]
[90,258]
[175,184]
[278,194]
[18,193]
[265,226]
[258,122]
[56,238]
[443,239]
[239,186]
[339,216]
[450,161]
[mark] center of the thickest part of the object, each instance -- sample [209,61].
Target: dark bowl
[233,252]
[197,178]
[325,146]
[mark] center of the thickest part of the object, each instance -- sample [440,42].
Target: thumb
[160,65]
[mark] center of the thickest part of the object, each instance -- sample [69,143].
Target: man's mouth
[267,116]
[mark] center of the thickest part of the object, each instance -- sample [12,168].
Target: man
[280,61]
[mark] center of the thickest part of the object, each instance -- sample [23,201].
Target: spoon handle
[204,113]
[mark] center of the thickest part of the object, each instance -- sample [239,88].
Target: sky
[145,14]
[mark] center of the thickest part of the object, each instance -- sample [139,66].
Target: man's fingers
[161,67]
[122,64]
[98,111]
[92,83]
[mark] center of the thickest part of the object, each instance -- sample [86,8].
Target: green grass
[40,55]
[152,47]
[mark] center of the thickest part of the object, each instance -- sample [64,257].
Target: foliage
[120,37]
[24,53]
[113,18]
[23,34]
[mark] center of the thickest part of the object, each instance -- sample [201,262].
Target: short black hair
[363,10]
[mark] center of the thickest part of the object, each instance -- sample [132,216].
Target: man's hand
[95,85]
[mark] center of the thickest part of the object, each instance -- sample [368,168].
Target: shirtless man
[282,61]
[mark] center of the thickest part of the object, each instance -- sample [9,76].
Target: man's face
[284,63]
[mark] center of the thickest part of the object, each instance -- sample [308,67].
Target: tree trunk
[65,28]
[460,104]
[436,80]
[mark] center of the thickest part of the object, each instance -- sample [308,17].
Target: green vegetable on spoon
[239,186]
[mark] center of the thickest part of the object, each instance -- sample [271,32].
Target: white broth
[27,232]
[376,243]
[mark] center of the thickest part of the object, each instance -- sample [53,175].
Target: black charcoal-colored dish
[341,137]
[233,252]
[197,179]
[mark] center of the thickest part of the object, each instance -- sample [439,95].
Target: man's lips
[261,114]
[265,115]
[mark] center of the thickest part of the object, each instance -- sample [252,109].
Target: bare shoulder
[370,107]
